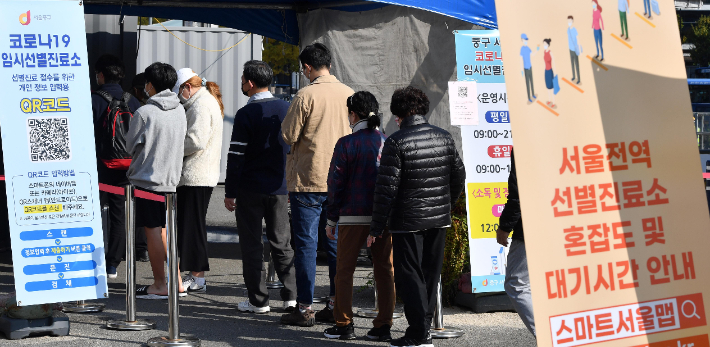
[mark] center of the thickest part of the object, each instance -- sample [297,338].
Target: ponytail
[366,107]
[373,121]
[213,88]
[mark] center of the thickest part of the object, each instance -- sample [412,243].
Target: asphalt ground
[213,316]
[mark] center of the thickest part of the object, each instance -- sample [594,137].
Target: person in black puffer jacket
[421,176]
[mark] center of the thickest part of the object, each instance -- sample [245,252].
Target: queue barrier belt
[121,191]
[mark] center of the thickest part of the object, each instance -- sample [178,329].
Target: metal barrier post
[373,312]
[131,323]
[271,281]
[439,331]
[173,339]
[82,307]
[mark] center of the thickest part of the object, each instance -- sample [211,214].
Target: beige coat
[316,119]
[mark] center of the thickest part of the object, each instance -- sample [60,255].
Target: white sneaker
[289,306]
[189,282]
[246,306]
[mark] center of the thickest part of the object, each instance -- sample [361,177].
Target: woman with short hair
[420,178]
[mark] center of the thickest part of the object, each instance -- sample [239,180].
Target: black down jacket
[421,175]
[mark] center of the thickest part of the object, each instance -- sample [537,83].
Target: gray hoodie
[156,139]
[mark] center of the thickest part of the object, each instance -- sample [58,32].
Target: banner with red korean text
[614,210]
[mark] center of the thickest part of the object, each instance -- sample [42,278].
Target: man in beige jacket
[316,119]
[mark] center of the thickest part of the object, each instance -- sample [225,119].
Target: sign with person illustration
[612,199]
[52,185]
[487,145]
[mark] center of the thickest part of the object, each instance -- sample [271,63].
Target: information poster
[613,202]
[486,153]
[50,161]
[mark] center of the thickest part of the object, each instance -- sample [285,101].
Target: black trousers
[418,258]
[115,235]
[192,204]
[251,209]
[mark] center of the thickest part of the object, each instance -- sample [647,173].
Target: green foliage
[683,38]
[701,39]
[282,57]
[456,255]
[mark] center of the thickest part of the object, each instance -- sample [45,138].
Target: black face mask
[245,92]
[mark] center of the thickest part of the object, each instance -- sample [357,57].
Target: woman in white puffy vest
[200,173]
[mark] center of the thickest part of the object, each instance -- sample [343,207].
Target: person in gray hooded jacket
[156,140]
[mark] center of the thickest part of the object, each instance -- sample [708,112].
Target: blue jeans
[647,7]
[598,41]
[307,218]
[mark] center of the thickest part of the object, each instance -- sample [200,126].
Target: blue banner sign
[52,184]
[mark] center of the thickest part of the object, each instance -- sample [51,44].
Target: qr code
[463,92]
[49,139]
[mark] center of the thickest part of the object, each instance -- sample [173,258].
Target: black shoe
[142,256]
[325,315]
[380,334]
[342,333]
[410,342]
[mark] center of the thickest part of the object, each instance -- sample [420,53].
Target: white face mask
[182,98]
[594,6]
[147,95]
[525,42]
[570,23]
[546,46]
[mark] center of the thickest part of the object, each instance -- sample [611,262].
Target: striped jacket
[257,154]
[352,177]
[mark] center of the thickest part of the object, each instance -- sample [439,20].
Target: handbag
[656,8]
[556,84]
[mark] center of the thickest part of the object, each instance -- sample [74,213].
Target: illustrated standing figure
[526,53]
[598,26]
[575,49]
[647,8]
[623,10]
[549,73]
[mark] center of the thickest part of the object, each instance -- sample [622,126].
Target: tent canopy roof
[277,19]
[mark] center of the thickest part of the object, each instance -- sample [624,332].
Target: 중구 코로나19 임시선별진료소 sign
[51,178]
[613,205]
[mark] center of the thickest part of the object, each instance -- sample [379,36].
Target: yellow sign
[485,204]
[614,209]
[43,208]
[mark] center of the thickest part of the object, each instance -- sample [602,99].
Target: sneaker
[380,334]
[142,256]
[305,319]
[325,315]
[410,342]
[290,306]
[342,333]
[246,306]
[189,282]
[111,272]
